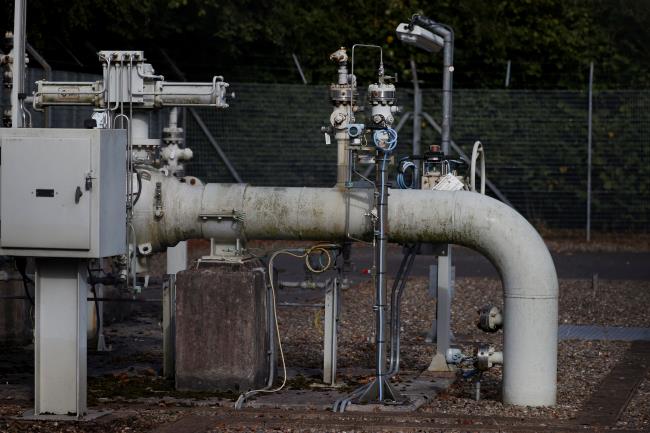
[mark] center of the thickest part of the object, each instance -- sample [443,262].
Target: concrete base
[221,328]
[439,364]
[416,388]
[91,415]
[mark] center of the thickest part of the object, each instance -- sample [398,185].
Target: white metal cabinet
[62,192]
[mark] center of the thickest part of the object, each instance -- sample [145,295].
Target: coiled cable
[385,140]
[405,165]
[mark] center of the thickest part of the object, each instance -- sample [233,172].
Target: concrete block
[221,328]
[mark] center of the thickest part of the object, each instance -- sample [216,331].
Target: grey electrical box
[62,192]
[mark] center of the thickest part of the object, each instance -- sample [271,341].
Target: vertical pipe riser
[530,351]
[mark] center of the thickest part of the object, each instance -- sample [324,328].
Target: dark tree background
[549,42]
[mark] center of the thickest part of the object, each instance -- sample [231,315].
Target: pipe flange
[381,94]
[342,94]
[487,357]
[490,318]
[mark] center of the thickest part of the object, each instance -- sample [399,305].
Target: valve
[490,318]
[487,357]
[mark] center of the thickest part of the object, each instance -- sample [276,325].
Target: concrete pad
[90,416]
[418,388]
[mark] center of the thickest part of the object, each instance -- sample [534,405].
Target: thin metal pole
[447,74]
[48,76]
[508,74]
[589,133]
[447,84]
[18,70]
[417,122]
[382,245]
[295,60]
[202,124]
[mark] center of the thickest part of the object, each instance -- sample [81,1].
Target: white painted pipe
[464,218]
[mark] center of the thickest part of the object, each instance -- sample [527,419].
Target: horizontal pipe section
[228,211]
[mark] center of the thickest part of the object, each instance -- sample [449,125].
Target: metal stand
[60,337]
[177,258]
[380,388]
[233,253]
[176,262]
[443,313]
[331,325]
[169,326]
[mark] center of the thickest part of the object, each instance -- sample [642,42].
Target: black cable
[94,292]
[138,176]
[21,266]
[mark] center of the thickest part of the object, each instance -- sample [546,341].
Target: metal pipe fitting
[490,318]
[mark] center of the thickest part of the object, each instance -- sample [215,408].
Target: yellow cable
[318,247]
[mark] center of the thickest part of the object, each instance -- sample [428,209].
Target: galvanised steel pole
[18,67]
[589,122]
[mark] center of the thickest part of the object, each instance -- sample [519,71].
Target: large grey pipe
[464,218]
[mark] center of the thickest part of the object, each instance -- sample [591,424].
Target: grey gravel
[582,364]
[637,413]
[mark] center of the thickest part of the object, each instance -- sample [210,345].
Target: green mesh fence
[536,146]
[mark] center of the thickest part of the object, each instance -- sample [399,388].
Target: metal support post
[417,121]
[176,262]
[18,66]
[177,258]
[447,34]
[591,82]
[169,325]
[380,389]
[443,312]
[60,337]
[331,326]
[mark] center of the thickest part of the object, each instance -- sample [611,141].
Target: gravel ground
[581,366]
[637,413]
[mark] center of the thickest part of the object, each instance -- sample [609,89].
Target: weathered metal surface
[221,328]
[461,217]
[608,402]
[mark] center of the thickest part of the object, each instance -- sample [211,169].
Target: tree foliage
[549,42]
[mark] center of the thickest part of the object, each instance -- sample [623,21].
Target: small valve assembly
[490,318]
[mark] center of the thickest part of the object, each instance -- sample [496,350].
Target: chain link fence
[536,144]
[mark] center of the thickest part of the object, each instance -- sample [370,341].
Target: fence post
[417,122]
[589,119]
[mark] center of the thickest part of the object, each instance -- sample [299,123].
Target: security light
[419,37]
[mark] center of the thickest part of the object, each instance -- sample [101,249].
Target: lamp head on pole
[419,37]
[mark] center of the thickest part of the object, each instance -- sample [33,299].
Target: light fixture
[419,37]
